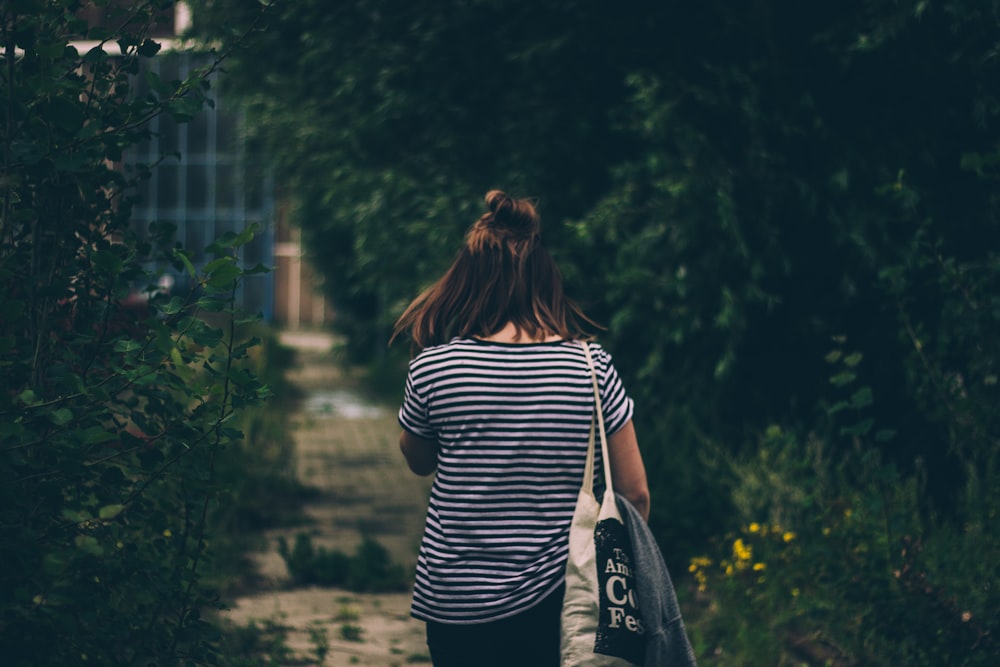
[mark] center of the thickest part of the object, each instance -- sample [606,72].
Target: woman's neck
[511,334]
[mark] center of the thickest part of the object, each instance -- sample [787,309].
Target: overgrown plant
[117,398]
[369,569]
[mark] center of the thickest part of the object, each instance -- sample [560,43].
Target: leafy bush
[835,562]
[118,399]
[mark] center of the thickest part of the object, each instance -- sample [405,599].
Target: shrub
[834,561]
[117,398]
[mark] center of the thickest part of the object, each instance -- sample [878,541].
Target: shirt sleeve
[616,403]
[413,412]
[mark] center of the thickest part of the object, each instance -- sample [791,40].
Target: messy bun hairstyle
[503,274]
[512,221]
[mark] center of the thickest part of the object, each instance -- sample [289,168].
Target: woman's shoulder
[456,348]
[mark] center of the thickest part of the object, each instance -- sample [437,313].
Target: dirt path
[346,449]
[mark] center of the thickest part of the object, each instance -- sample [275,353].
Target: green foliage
[389,121]
[786,214]
[256,475]
[117,398]
[834,563]
[370,568]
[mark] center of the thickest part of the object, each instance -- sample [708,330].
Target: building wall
[207,182]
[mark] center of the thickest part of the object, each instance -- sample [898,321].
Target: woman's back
[512,423]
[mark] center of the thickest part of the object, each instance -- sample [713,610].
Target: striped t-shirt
[512,422]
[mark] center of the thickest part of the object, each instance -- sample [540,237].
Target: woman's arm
[420,454]
[628,473]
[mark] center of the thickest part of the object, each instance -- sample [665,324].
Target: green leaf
[246,235]
[844,378]
[61,416]
[110,511]
[174,306]
[853,359]
[148,48]
[259,268]
[224,276]
[211,304]
[54,564]
[859,429]
[216,264]
[184,259]
[97,435]
[862,398]
[837,407]
[107,262]
[89,544]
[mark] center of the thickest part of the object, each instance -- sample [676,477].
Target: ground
[347,449]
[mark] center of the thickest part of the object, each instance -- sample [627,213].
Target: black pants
[528,639]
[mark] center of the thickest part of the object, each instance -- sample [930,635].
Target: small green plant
[369,569]
[347,614]
[834,559]
[256,644]
[351,632]
[320,641]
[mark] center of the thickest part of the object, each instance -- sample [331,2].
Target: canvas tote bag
[601,625]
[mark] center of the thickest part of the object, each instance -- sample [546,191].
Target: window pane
[197,134]
[224,186]
[168,135]
[198,186]
[199,235]
[166,186]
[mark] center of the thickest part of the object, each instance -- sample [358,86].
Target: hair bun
[516,215]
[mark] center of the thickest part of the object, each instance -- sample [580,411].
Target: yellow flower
[848,512]
[788,536]
[729,570]
[759,566]
[167,533]
[743,552]
[754,527]
[795,592]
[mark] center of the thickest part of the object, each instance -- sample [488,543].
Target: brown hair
[502,274]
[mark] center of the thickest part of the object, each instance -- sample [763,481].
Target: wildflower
[848,512]
[788,536]
[754,527]
[167,533]
[729,570]
[699,562]
[743,552]
[758,567]
[795,592]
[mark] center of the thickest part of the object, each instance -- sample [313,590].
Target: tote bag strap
[598,420]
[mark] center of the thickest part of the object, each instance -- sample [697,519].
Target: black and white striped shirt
[512,422]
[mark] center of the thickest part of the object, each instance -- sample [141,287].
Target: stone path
[348,450]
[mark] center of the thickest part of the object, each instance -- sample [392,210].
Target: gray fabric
[667,643]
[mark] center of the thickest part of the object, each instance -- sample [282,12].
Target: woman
[499,402]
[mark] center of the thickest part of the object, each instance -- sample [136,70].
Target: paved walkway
[347,449]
